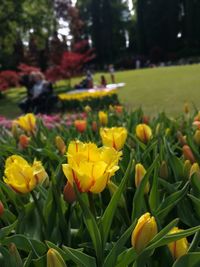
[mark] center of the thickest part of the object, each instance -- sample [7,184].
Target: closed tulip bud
[145,119]
[157,130]
[94,126]
[167,131]
[112,189]
[197,137]
[54,259]
[15,256]
[1,208]
[180,247]
[143,132]
[144,232]
[118,109]
[80,125]
[69,193]
[103,118]
[196,123]
[194,169]
[197,117]
[164,173]
[186,108]
[111,108]
[24,141]
[60,144]
[14,130]
[188,154]
[181,138]
[114,137]
[186,168]
[139,174]
[87,109]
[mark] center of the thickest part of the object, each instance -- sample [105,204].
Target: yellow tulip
[143,132]
[180,247]
[197,137]
[114,137]
[103,118]
[144,232]
[27,122]
[60,144]
[186,168]
[21,176]
[87,109]
[54,259]
[186,108]
[90,167]
[194,169]
[139,174]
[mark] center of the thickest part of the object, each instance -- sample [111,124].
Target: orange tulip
[188,154]
[68,193]
[24,141]
[80,125]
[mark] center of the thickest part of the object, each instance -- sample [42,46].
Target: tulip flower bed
[108,189]
[97,99]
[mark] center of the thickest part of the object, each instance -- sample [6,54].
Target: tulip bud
[54,259]
[197,117]
[181,138]
[186,168]
[15,256]
[196,123]
[103,118]
[139,174]
[188,154]
[14,130]
[157,129]
[60,144]
[143,132]
[145,119]
[118,109]
[194,169]
[24,141]
[167,131]
[94,126]
[197,137]
[111,108]
[186,108]
[87,109]
[1,208]
[164,173]
[80,125]
[144,232]
[69,193]
[180,247]
[112,189]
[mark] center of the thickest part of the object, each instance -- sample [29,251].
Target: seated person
[103,81]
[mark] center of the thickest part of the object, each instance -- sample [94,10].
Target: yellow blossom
[103,118]
[114,137]
[143,132]
[139,174]
[60,144]
[180,247]
[22,176]
[90,167]
[27,122]
[144,232]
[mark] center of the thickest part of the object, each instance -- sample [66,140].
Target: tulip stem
[91,203]
[39,210]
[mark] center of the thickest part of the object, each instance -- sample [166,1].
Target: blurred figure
[103,81]
[89,79]
[112,71]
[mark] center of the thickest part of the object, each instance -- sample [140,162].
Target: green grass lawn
[157,89]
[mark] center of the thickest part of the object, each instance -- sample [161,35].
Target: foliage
[95,230]
[8,79]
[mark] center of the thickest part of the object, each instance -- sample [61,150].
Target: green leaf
[170,202]
[113,254]
[196,203]
[26,244]
[107,218]
[127,257]
[91,225]
[188,260]
[154,194]
[79,257]
[195,183]
[4,232]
